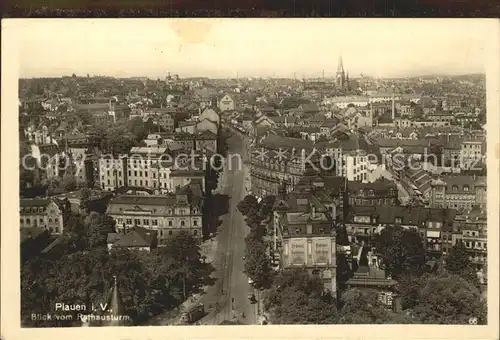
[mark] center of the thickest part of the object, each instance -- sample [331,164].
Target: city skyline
[216,49]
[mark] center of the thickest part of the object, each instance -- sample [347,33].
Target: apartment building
[113,172]
[380,192]
[166,214]
[41,213]
[461,192]
[470,228]
[305,236]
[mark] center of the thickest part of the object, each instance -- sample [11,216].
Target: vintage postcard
[289,178]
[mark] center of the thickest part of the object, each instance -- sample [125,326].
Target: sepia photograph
[258,172]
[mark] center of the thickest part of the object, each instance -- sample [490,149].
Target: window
[135,173]
[140,173]
[466,188]
[41,220]
[170,232]
[28,221]
[137,221]
[57,229]
[145,221]
[21,221]
[195,232]
[155,222]
[398,220]
[298,231]
[129,221]
[56,220]
[182,223]
[130,173]
[195,223]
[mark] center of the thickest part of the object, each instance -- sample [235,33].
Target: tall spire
[115,309]
[340,67]
[340,73]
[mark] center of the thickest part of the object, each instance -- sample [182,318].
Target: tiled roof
[352,143]
[136,237]
[410,215]
[93,106]
[34,202]
[275,141]
[379,186]
[458,182]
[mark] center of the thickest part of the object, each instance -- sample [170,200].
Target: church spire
[341,81]
[115,309]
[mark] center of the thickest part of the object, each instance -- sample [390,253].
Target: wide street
[231,283]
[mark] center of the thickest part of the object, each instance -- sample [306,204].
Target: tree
[253,219]
[266,206]
[84,199]
[449,299]
[248,204]
[401,250]
[98,227]
[298,298]
[362,307]
[258,264]
[458,263]
[68,182]
[187,266]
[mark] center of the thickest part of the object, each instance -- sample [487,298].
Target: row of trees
[257,260]
[80,270]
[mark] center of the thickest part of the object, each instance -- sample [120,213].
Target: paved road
[232,282]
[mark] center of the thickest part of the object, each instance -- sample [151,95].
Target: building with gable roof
[226,103]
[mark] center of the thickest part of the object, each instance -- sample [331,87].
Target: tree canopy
[258,263]
[248,204]
[448,299]
[401,250]
[458,263]
[298,298]
[149,283]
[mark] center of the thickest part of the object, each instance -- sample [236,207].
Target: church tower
[341,81]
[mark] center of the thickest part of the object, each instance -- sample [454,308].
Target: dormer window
[398,220]
[372,192]
[466,188]
[454,188]
[298,231]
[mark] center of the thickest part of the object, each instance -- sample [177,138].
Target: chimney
[313,212]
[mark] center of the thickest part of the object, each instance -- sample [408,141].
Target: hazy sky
[248,47]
